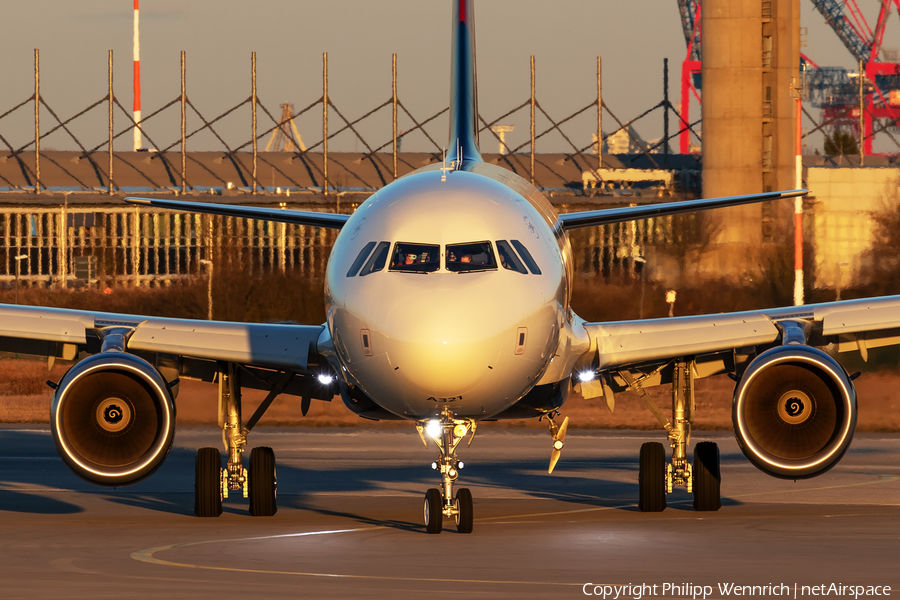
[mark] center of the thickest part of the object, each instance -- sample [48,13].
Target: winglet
[463,146]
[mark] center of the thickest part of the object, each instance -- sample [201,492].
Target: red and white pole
[798,211]
[137,79]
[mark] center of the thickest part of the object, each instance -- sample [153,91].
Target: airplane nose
[446,348]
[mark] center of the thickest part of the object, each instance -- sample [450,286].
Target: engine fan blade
[558,444]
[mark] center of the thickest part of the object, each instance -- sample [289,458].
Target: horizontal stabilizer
[278,215]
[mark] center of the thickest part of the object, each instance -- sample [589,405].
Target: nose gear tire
[262,484]
[652,478]
[434,515]
[207,483]
[464,514]
[707,477]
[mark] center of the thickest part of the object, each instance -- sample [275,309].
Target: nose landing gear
[558,433]
[447,433]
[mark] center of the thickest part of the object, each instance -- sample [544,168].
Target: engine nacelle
[113,419]
[794,412]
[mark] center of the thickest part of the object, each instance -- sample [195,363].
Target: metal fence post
[111,98]
[599,114]
[394,101]
[666,110]
[253,102]
[136,247]
[63,233]
[532,119]
[37,121]
[183,138]
[325,120]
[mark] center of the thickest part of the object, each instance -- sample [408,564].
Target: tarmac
[349,522]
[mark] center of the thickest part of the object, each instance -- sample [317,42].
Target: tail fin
[463,89]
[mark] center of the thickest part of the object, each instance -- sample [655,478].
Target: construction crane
[285,137]
[882,79]
[848,32]
[832,89]
[690,67]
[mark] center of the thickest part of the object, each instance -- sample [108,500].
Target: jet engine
[113,419]
[794,412]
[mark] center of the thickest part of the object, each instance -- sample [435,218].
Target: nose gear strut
[447,432]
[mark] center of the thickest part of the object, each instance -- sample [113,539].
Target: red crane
[882,90]
[690,67]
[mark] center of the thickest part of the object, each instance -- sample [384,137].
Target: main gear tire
[707,477]
[208,483]
[652,478]
[263,482]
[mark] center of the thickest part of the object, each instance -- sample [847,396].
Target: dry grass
[27,377]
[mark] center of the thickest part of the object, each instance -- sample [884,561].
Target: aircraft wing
[849,325]
[592,218]
[278,215]
[65,333]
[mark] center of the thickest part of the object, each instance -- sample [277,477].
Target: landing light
[433,428]
[326,379]
[586,376]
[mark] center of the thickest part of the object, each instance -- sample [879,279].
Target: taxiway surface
[349,521]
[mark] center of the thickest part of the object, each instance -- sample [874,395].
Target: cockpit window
[475,256]
[508,258]
[378,259]
[526,256]
[416,258]
[361,257]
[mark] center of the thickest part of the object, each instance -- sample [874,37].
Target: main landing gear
[447,433]
[656,477]
[212,483]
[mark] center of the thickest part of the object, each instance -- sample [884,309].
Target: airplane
[486,262]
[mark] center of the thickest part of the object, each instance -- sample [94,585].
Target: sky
[289,36]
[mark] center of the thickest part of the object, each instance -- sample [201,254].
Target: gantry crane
[832,89]
[690,67]
[882,78]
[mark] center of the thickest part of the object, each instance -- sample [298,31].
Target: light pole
[670,298]
[19,260]
[643,262]
[209,269]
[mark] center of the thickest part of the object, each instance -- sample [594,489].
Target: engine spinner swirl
[114,414]
[795,407]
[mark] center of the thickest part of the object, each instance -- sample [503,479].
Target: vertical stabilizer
[463,142]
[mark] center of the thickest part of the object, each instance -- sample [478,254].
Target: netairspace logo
[702,592]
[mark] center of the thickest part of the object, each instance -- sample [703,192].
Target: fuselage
[449,289]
